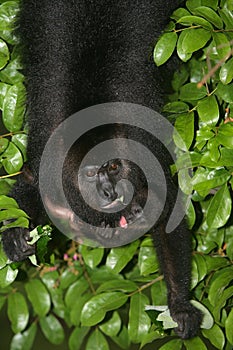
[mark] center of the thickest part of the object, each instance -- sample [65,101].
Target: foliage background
[85,298]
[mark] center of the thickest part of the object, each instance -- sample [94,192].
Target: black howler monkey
[79,53]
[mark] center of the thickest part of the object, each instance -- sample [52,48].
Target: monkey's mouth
[116,203]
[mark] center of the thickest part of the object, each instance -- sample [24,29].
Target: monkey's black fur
[79,53]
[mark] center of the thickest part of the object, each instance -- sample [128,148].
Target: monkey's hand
[15,244]
[188,318]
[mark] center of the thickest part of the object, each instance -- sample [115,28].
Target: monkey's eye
[113,167]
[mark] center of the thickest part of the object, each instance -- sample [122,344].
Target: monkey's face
[107,197]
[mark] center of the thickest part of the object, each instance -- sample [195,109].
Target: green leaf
[190,92]
[221,281]
[77,288]
[17,312]
[229,327]
[10,73]
[3,144]
[190,20]
[184,133]
[38,296]
[20,140]
[20,222]
[3,90]
[112,326]
[77,337]
[222,45]
[176,107]
[67,278]
[8,12]
[183,54]
[172,345]
[11,214]
[225,135]
[122,340]
[180,12]
[147,259]
[97,341]
[4,54]
[205,179]
[139,321]
[125,286]
[226,72]
[52,329]
[76,309]
[7,202]
[118,258]
[195,39]
[7,276]
[14,108]
[219,209]
[95,309]
[208,320]
[208,110]
[194,344]
[210,15]
[91,256]
[24,340]
[12,159]
[215,336]
[164,48]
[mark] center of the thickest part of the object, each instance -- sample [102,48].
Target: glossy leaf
[229,327]
[225,135]
[184,131]
[172,344]
[17,312]
[195,39]
[194,344]
[7,276]
[181,52]
[139,321]
[14,108]
[226,72]
[208,110]
[219,209]
[189,20]
[24,340]
[190,92]
[38,296]
[210,15]
[52,329]
[121,285]
[95,309]
[97,341]
[77,337]
[222,45]
[164,48]
[4,54]
[20,140]
[92,256]
[8,12]
[205,179]
[3,90]
[215,336]
[220,282]
[112,326]
[12,159]
[118,258]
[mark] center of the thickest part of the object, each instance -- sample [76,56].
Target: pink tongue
[123,222]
